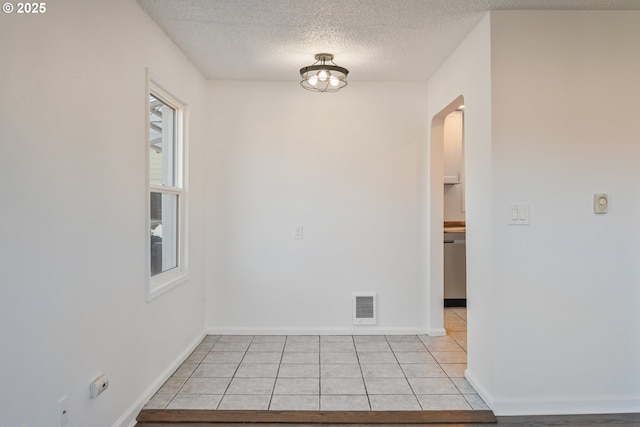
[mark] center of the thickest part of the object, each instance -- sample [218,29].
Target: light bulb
[323,75]
[313,80]
[334,81]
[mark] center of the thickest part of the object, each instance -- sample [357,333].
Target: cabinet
[453,159]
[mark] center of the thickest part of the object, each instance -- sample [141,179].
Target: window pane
[164,232]
[162,142]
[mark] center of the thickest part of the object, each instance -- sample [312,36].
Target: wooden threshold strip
[159,416]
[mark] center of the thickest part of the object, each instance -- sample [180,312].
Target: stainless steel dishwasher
[455,269]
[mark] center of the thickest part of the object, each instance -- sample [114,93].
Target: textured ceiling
[382,40]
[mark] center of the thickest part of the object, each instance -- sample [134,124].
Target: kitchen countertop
[455,226]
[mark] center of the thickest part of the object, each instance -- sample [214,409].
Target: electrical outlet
[63,412]
[298,233]
[98,385]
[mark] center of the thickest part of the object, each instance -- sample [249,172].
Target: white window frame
[165,281]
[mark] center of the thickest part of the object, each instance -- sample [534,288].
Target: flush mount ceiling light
[323,75]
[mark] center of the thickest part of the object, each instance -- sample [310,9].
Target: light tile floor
[405,372]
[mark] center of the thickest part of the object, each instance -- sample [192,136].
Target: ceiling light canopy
[324,75]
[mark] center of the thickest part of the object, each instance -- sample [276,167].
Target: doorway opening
[455,270]
[451,175]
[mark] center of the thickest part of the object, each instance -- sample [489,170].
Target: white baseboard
[566,405]
[555,405]
[437,332]
[359,330]
[478,387]
[128,418]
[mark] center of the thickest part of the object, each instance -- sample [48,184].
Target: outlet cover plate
[63,412]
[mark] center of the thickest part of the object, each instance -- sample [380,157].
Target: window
[166,192]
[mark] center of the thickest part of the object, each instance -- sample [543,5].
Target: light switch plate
[517,214]
[600,203]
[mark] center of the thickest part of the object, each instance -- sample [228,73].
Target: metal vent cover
[364,308]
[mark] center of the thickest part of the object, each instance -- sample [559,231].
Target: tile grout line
[194,371]
[364,383]
[275,381]
[319,372]
[210,350]
[405,375]
[202,361]
[224,393]
[465,351]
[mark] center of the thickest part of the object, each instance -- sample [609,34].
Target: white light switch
[600,203]
[514,213]
[517,214]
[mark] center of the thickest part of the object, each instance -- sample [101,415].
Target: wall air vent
[364,308]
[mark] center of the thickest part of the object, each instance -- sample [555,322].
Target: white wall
[72,228]
[565,126]
[466,73]
[342,165]
[552,306]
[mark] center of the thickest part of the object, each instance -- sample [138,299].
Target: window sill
[155,290]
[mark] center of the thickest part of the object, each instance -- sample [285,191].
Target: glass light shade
[322,76]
